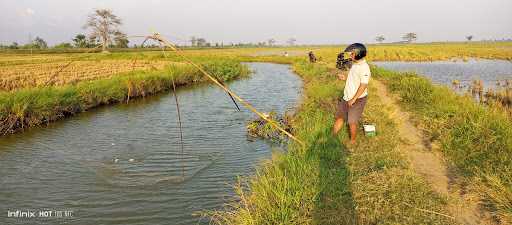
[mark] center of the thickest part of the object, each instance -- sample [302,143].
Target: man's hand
[342,75]
[351,102]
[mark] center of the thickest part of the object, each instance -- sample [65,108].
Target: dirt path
[428,163]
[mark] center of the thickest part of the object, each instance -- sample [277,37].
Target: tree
[380,38]
[14,45]
[121,40]
[200,42]
[271,41]
[469,38]
[193,41]
[39,43]
[291,41]
[63,45]
[410,37]
[80,41]
[104,27]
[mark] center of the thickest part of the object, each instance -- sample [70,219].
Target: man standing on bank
[351,106]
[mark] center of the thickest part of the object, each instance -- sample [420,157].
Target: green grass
[476,139]
[35,106]
[321,184]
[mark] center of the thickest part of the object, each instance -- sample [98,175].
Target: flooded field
[492,73]
[123,164]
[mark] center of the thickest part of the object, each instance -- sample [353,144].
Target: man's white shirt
[359,74]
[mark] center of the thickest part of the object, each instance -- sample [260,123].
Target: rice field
[320,184]
[64,72]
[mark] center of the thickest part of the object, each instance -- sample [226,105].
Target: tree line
[411,37]
[104,31]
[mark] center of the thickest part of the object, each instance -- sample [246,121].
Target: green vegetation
[476,139]
[35,106]
[318,184]
[321,184]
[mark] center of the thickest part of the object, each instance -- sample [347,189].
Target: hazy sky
[313,21]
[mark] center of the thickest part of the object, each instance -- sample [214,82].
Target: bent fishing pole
[159,38]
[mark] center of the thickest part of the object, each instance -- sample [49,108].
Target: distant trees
[80,41]
[39,43]
[121,40]
[410,37]
[380,38]
[469,38]
[271,41]
[201,42]
[104,26]
[14,45]
[291,41]
[63,45]
[193,41]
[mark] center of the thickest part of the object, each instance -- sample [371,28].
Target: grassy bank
[321,184]
[40,105]
[476,139]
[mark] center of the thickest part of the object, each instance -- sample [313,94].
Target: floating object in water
[369,130]
[115,160]
[113,144]
[131,160]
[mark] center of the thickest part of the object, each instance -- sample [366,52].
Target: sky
[310,22]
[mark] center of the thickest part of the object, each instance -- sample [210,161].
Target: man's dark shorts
[351,114]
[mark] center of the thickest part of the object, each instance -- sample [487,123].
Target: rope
[159,38]
[180,126]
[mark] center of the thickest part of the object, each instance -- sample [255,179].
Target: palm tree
[80,41]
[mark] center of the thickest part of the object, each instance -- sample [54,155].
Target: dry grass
[34,75]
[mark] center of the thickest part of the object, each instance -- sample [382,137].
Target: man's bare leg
[353,130]
[338,124]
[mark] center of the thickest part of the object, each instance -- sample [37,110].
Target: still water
[444,72]
[71,164]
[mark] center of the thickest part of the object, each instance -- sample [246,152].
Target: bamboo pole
[165,42]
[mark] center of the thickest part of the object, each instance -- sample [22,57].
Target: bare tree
[469,38]
[271,41]
[104,26]
[291,41]
[410,37]
[380,38]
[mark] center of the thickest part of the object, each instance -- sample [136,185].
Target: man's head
[357,51]
[352,53]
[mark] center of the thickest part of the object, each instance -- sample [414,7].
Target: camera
[344,61]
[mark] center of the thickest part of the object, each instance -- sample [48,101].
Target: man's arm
[359,92]
[342,75]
